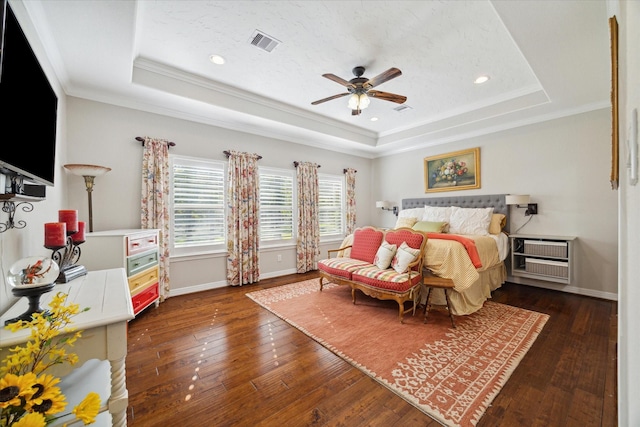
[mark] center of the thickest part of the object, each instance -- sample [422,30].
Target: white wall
[563,164]
[629,288]
[105,135]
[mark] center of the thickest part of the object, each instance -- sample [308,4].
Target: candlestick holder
[67,256]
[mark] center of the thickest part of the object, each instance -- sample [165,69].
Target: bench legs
[413,295]
[428,306]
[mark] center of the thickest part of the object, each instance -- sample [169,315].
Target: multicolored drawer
[135,250]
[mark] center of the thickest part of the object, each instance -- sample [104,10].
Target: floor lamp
[88,172]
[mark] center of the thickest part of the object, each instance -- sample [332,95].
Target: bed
[475,276]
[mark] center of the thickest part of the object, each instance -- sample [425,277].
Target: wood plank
[217,358]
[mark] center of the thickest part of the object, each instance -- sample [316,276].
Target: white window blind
[276,206]
[198,204]
[331,205]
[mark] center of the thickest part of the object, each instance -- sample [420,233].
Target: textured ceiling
[546,59]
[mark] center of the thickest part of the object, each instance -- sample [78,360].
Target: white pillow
[404,256]
[384,255]
[437,214]
[470,221]
[413,212]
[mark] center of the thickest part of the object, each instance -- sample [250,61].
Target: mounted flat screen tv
[30,108]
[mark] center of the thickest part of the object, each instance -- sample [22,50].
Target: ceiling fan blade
[391,73]
[338,80]
[320,101]
[400,99]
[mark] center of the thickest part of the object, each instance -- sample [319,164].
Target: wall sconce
[522,201]
[88,172]
[386,206]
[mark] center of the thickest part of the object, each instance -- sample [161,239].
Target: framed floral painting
[459,170]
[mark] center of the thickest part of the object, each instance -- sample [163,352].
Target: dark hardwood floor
[216,358]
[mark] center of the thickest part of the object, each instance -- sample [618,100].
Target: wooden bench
[434,282]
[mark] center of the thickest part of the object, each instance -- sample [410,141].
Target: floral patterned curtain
[350,175]
[154,212]
[308,243]
[243,236]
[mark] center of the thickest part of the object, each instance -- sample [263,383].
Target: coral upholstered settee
[384,264]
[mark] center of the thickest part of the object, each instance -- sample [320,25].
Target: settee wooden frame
[412,294]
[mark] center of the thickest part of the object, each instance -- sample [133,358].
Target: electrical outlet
[279,258]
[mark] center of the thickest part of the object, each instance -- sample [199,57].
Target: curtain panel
[308,241]
[154,212]
[350,176]
[243,214]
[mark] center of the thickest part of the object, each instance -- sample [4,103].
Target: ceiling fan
[360,89]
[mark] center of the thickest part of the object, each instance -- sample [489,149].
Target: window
[198,205]
[276,206]
[331,206]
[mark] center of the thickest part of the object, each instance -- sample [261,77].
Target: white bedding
[502,241]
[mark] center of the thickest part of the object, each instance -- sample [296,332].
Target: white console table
[104,338]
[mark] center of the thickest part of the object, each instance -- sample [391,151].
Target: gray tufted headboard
[497,201]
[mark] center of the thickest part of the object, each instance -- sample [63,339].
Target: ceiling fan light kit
[358,102]
[360,89]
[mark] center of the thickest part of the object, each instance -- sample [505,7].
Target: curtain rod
[141,139]
[228,153]
[346,170]
[297,163]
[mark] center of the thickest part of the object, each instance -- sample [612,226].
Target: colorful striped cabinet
[135,250]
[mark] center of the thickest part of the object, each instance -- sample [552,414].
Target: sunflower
[13,388]
[32,419]
[48,398]
[88,409]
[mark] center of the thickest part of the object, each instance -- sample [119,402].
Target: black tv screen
[29,104]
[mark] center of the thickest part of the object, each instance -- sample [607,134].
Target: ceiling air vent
[263,41]
[402,107]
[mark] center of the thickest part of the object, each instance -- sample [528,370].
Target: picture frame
[615,140]
[459,170]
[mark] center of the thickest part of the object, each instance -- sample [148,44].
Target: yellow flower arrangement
[28,396]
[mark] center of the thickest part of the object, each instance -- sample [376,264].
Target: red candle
[55,234]
[71,218]
[79,236]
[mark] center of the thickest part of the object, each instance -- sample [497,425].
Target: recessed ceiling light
[374,119]
[481,79]
[216,59]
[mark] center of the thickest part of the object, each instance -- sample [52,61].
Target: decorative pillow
[413,212]
[470,220]
[406,222]
[384,255]
[431,226]
[498,221]
[437,214]
[404,256]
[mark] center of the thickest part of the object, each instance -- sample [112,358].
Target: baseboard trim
[566,288]
[222,283]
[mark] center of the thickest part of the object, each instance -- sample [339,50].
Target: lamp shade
[514,199]
[383,204]
[86,170]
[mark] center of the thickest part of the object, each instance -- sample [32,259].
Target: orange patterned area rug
[452,375]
